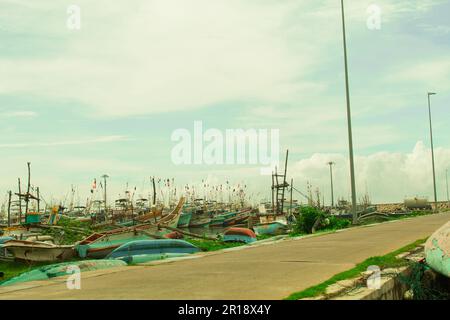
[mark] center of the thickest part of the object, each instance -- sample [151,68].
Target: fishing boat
[270,228]
[242,216]
[99,245]
[152,216]
[222,220]
[170,220]
[102,247]
[5,255]
[36,251]
[437,250]
[185,219]
[4,239]
[145,247]
[63,269]
[199,223]
[239,235]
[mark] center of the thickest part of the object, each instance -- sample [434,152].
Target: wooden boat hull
[184,220]
[223,220]
[38,252]
[100,249]
[239,235]
[199,223]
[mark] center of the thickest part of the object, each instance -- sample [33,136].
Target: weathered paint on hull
[145,247]
[100,249]
[274,228]
[184,220]
[238,238]
[61,269]
[200,223]
[42,254]
[437,250]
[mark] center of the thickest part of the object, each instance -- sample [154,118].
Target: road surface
[271,271]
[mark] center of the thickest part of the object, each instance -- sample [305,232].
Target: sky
[106,98]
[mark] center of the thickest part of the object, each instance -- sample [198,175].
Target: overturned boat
[271,228]
[437,250]
[148,247]
[63,269]
[239,235]
[99,245]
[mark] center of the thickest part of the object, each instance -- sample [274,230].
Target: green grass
[210,245]
[67,235]
[387,261]
[12,269]
[264,237]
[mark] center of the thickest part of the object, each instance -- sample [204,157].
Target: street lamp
[331,163]
[432,150]
[446,182]
[349,121]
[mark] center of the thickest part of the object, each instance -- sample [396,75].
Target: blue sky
[106,98]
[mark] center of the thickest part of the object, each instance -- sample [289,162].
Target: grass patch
[387,261]
[211,245]
[67,235]
[264,237]
[12,269]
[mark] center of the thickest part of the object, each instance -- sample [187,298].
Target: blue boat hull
[145,247]
[274,228]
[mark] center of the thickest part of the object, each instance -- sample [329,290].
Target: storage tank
[417,203]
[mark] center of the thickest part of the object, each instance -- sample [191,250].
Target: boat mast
[27,196]
[9,208]
[20,201]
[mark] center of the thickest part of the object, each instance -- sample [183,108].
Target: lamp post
[349,121]
[432,150]
[331,163]
[446,182]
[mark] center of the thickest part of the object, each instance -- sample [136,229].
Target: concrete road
[271,271]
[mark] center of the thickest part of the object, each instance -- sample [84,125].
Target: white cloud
[433,75]
[103,139]
[389,177]
[170,55]
[18,114]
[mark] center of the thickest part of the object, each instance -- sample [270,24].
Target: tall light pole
[432,150]
[331,163]
[446,182]
[349,121]
[104,186]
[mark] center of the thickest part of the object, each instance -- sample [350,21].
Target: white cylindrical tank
[417,203]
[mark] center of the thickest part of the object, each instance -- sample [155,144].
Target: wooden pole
[273,190]
[284,181]
[38,200]
[290,207]
[9,208]
[27,196]
[20,201]
[154,191]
